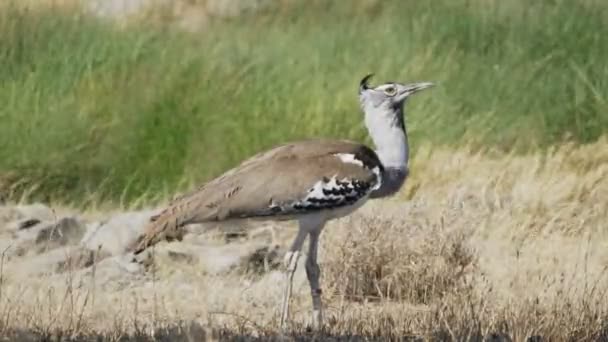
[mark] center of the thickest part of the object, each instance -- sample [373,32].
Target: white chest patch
[349,158]
[378,174]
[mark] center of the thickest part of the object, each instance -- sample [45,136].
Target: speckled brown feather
[278,176]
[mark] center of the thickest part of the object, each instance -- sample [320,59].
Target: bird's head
[388,97]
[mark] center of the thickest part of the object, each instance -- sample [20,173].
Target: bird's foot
[316,323]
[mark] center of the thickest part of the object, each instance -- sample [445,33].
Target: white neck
[387,130]
[386,126]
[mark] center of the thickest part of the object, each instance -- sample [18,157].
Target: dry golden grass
[481,245]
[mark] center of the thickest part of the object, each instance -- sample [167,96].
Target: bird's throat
[389,134]
[392,148]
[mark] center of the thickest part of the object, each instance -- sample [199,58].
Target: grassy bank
[93,110]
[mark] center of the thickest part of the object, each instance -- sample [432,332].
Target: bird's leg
[291,262]
[313,272]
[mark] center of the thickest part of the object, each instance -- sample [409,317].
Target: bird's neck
[390,137]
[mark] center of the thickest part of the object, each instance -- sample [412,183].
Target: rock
[8,214]
[27,223]
[36,211]
[58,260]
[181,257]
[13,218]
[66,230]
[117,233]
[263,260]
[22,224]
[212,258]
[45,236]
[6,246]
[113,273]
[80,258]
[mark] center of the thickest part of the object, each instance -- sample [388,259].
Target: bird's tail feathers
[164,226]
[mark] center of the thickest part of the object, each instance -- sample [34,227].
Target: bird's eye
[390,91]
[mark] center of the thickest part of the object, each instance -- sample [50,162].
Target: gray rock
[263,260]
[117,233]
[66,231]
[212,258]
[27,223]
[15,226]
[114,273]
[13,218]
[80,258]
[48,235]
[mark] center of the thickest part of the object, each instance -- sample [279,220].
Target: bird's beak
[416,87]
[412,88]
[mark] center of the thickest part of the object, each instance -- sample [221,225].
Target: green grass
[90,108]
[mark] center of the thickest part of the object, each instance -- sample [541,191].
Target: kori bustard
[311,181]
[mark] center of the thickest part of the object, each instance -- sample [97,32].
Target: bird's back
[291,179]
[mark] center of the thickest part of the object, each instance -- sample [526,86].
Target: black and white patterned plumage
[334,192]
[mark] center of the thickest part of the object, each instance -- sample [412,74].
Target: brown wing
[290,179]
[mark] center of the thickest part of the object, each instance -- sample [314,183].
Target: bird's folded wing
[286,181]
